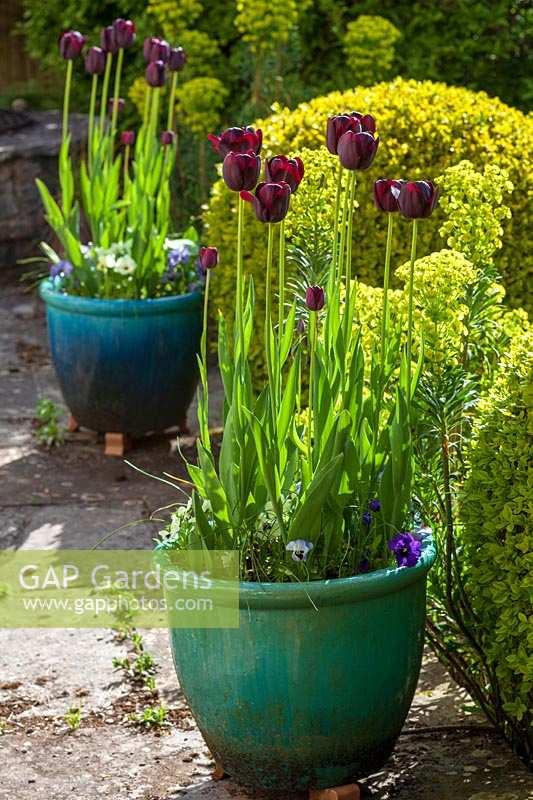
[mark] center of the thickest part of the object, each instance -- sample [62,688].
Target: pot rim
[94,306]
[334,591]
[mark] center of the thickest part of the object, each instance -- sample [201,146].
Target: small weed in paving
[151,717]
[47,429]
[73,717]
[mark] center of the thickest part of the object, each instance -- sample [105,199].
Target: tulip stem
[172,100]
[146,112]
[268,308]
[92,107]
[350,196]
[66,101]
[154,113]
[340,254]
[105,92]
[386,282]
[203,346]
[239,292]
[126,167]
[333,271]
[281,279]
[116,94]
[310,404]
[410,314]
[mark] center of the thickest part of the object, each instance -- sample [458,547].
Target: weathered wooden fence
[15,64]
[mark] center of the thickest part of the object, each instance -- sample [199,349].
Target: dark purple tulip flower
[177,59]
[237,140]
[374,505]
[357,150]
[70,44]
[127,138]
[95,61]
[367,121]
[167,137]
[156,49]
[386,193]
[281,168]
[207,259]
[108,41]
[124,32]
[120,105]
[155,74]
[417,199]
[406,549]
[337,126]
[241,171]
[314,298]
[270,201]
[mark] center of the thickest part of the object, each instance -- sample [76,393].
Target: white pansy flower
[106,261]
[125,265]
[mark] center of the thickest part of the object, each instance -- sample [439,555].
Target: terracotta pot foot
[219,772]
[116,444]
[348,792]
[72,424]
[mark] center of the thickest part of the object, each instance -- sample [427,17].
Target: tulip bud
[95,61]
[70,44]
[386,193]
[177,59]
[120,105]
[417,199]
[124,32]
[314,298]
[207,259]
[237,140]
[241,170]
[167,137]
[357,150]
[156,49]
[270,201]
[127,138]
[108,40]
[155,74]
[281,168]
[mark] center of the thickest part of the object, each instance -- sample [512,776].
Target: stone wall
[27,153]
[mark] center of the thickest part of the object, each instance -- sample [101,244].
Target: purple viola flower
[61,268]
[374,505]
[366,518]
[178,255]
[300,549]
[406,549]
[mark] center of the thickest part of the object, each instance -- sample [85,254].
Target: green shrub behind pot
[496,510]
[425,128]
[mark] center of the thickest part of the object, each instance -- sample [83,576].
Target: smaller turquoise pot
[128,366]
[313,688]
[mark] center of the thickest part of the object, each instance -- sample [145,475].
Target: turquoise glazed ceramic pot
[128,366]
[313,688]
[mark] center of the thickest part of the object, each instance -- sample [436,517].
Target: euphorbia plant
[124,183]
[315,471]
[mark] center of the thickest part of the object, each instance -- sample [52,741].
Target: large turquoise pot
[128,366]
[308,694]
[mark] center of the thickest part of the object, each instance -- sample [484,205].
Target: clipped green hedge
[424,128]
[497,512]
